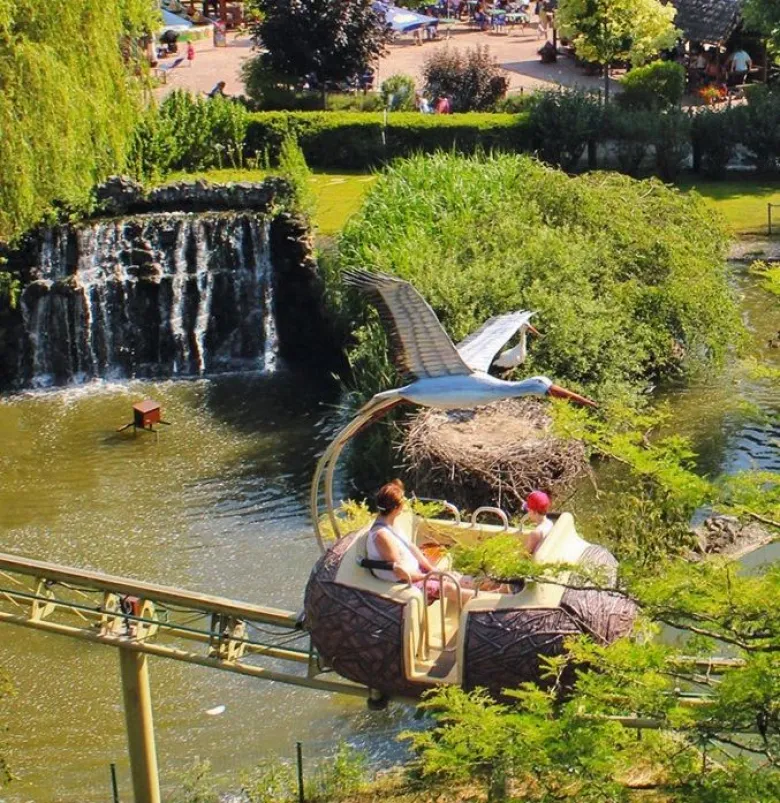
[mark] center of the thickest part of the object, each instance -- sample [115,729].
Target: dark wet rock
[118,194]
[727,535]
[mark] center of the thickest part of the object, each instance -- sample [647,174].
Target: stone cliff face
[184,283]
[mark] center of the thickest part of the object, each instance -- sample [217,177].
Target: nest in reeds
[491,455]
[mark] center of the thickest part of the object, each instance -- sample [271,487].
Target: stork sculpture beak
[533,330]
[561,393]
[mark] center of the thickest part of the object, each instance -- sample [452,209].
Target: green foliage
[672,143]
[655,86]
[360,141]
[270,782]
[604,31]
[542,752]
[351,515]
[768,274]
[293,167]
[196,785]
[634,133]
[561,123]
[189,133]
[473,81]
[340,777]
[68,104]
[397,93]
[764,17]
[714,137]
[559,743]
[758,125]
[9,290]
[333,40]
[627,277]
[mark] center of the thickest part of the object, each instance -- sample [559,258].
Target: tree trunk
[324,98]
[606,84]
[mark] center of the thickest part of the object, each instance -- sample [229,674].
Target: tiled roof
[707,20]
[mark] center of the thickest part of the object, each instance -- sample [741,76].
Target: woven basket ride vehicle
[385,634]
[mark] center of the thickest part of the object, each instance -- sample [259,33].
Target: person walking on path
[190,53]
[541,11]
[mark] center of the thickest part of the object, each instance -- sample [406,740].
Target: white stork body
[441,375]
[472,390]
[511,358]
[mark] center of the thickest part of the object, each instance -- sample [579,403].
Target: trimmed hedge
[359,141]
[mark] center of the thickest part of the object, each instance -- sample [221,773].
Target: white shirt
[406,559]
[544,528]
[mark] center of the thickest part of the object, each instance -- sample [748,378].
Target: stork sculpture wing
[421,347]
[480,348]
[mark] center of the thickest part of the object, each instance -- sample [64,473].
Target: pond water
[218,504]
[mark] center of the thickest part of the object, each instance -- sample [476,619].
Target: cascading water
[152,295]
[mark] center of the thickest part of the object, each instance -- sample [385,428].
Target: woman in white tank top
[409,563]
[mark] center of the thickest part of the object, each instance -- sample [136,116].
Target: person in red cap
[536,505]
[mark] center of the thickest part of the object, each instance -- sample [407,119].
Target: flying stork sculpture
[438,374]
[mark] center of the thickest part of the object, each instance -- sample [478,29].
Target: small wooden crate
[146,414]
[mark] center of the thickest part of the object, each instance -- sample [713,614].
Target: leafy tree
[473,81]
[763,16]
[68,104]
[330,40]
[604,31]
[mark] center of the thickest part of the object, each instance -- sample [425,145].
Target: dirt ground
[515,50]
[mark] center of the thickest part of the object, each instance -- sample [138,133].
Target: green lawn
[743,203]
[338,194]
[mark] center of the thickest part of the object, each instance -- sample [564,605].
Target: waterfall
[153,295]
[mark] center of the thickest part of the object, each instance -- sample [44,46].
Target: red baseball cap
[538,501]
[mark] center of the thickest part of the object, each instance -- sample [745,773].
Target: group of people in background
[442,105]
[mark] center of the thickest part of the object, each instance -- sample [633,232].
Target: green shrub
[360,141]
[473,81]
[397,93]
[714,136]
[189,133]
[633,133]
[627,276]
[759,126]
[672,140]
[561,122]
[657,85]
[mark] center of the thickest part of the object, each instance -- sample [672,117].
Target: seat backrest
[563,544]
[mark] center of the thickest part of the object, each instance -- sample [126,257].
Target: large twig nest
[491,455]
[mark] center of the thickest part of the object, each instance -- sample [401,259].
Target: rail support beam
[140,725]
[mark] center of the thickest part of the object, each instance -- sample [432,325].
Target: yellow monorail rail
[142,619]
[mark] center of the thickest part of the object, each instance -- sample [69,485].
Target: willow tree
[68,102]
[604,31]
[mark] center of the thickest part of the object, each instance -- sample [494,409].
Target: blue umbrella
[173,22]
[402,20]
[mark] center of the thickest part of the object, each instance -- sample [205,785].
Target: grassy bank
[338,195]
[743,202]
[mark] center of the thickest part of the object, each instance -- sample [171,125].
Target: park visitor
[409,563]
[190,53]
[537,506]
[739,64]
[218,91]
